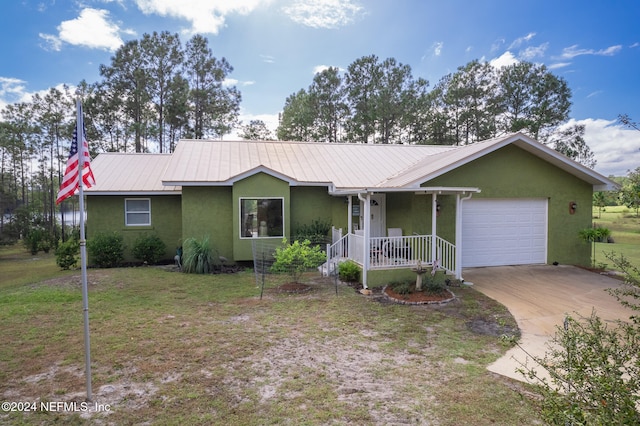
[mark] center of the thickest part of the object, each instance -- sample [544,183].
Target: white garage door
[504,232]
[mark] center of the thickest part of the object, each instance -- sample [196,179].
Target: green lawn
[625,230]
[171,348]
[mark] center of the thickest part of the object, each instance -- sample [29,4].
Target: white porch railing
[395,252]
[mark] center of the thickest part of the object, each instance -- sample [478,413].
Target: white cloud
[319,68]
[557,65]
[235,82]
[504,60]
[437,48]
[616,148]
[205,16]
[92,28]
[521,40]
[268,59]
[270,120]
[573,51]
[11,90]
[323,13]
[51,42]
[533,52]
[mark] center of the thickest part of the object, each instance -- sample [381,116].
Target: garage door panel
[504,232]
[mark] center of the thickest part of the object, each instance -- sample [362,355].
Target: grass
[172,348]
[625,230]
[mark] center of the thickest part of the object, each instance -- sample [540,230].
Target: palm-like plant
[198,258]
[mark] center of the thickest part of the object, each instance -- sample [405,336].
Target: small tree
[296,258]
[67,254]
[593,235]
[630,192]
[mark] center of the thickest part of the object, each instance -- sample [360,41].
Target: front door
[378,215]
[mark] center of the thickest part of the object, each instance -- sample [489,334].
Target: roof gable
[437,165]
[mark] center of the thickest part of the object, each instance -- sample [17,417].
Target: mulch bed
[420,297]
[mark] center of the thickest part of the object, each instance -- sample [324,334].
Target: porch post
[434,213]
[367,233]
[458,259]
[350,215]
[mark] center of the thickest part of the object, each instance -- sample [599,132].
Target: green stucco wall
[315,203]
[514,173]
[260,185]
[207,212]
[106,214]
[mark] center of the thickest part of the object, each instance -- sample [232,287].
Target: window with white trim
[261,217]
[137,211]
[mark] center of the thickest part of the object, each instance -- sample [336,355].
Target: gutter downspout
[459,233]
[366,263]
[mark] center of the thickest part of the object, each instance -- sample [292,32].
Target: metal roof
[130,174]
[342,167]
[203,162]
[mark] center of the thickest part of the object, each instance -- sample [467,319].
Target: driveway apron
[539,297]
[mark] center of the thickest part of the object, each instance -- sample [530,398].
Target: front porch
[395,252]
[377,244]
[401,252]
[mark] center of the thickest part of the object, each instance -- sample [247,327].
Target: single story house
[505,201]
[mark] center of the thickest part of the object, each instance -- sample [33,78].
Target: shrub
[317,232]
[405,287]
[294,259]
[33,239]
[349,271]
[149,249]
[198,258]
[434,283]
[67,254]
[106,249]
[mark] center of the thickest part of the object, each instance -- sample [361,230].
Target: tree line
[379,101]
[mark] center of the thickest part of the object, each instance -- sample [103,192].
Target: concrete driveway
[539,297]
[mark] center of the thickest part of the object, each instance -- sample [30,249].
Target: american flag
[70,181]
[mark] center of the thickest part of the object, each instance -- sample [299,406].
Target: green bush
[404,287]
[349,271]
[106,249]
[434,283]
[294,259]
[149,249]
[33,240]
[317,232]
[198,258]
[67,254]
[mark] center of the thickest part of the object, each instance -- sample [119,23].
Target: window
[261,217]
[137,211]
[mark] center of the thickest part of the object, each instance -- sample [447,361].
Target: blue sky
[275,46]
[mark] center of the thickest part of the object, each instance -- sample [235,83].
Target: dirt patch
[294,288]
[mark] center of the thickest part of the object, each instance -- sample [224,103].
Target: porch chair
[394,249]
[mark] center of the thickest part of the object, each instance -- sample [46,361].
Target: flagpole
[83,249]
